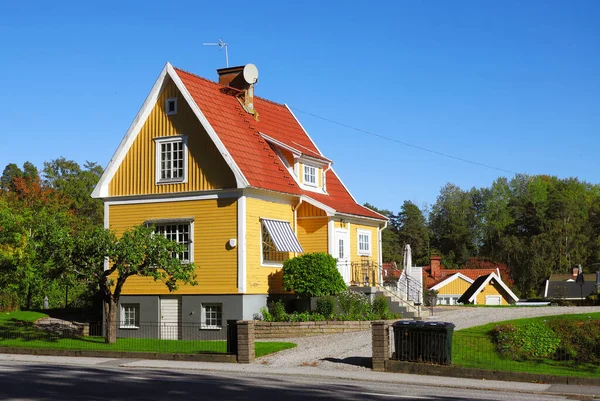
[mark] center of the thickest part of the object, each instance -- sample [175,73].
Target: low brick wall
[264,330]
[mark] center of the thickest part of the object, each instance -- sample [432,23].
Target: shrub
[326,306]
[579,340]
[277,311]
[530,341]
[312,275]
[9,302]
[380,307]
[265,314]
[354,305]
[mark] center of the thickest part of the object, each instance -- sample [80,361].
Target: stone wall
[304,329]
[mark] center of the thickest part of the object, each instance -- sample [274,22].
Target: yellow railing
[364,273]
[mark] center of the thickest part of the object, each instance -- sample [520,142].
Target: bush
[530,341]
[579,340]
[312,275]
[380,307]
[278,312]
[354,305]
[9,302]
[326,306]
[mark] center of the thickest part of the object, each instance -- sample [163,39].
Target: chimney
[436,265]
[242,78]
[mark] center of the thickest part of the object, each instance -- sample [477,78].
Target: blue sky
[511,84]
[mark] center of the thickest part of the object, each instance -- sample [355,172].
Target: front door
[342,253]
[170,328]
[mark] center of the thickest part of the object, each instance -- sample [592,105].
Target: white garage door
[493,300]
[170,328]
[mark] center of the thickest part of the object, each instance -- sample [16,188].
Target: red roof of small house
[473,274]
[240,134]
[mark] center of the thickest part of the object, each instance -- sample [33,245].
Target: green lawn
[16,330]
[473,348]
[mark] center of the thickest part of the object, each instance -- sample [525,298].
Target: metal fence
[143,337]
[482,352]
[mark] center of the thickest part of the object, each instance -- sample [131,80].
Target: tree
[411,227]
[312,275]
[77,183]
[138,252]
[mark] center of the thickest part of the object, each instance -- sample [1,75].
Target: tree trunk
[110,311]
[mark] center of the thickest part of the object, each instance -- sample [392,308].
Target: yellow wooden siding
[492,289]
[354,256]
[206,167]
[308,210]
[456,287]
[312,234]
[262,279]
[215,222]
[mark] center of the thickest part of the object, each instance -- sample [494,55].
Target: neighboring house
[450,284]
[239,182]
[488,290]
[564,287]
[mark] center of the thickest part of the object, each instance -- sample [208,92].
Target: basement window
[212,316]
[130,316]
[171,106]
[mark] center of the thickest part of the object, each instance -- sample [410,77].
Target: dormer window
[171,106]
[310,175]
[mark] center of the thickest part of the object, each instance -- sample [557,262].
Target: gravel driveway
[352,351]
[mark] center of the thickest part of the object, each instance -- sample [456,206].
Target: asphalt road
[28,381]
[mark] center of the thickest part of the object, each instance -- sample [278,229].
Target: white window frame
[136,317]
[167,101]
[268,263]
[219,311]
[158,161]
[367,233]
[312,172]
[189,223]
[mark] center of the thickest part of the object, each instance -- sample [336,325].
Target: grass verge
[17,330]
[473,348]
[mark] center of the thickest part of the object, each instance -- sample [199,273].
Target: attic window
[310,175]
[171,159]
[171,106]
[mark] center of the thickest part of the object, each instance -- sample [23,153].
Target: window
[341,253]
[310,175]
[171,106]
[180,233]
[171,159]
[364,242]
[130,316]
[211,316]
[278,239]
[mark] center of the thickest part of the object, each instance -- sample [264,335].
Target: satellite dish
[250,73]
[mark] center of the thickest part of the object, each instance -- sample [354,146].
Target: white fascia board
[328,211]
[282,145]
[330,236]
[490,277]
[174,197]
[451,279]
[370,221]
[101,189]
[241,246]
[271,196]
[237,172]
[546,289]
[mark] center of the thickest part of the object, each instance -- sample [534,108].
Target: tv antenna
[221,45]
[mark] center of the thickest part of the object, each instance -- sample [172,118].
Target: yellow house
[238,180]
[488,290]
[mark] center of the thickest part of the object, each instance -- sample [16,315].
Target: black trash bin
[419,341]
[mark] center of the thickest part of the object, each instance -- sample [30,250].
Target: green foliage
[326,306]
[312,275]
[579,340]
[9,302]
[429,297]
[278,312]
[530,341]
[354,305]
[380,308]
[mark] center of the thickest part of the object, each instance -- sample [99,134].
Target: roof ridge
[225,86]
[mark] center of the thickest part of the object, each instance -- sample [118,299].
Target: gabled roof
[238,137]
[480,283]
[569,289]
[588,277]
[472,274]
[450,279]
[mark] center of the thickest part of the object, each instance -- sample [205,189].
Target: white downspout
[325,177]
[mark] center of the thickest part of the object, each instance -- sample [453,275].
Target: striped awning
[282,235]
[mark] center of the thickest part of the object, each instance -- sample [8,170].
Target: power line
[435,152]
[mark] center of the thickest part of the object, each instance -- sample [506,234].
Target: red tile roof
[473,274]
[261,166]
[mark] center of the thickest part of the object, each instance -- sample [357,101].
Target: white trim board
[451,279]
[499,281]
[101,189]
[241,244]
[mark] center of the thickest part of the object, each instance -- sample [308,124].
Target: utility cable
[435,152]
